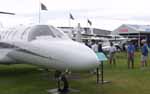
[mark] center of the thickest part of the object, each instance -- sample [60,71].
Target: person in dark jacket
[100,47]
[87,43]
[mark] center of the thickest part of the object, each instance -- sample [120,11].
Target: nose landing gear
[62,82]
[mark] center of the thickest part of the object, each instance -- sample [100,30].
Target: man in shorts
[112,51]
[144,53]
[130,54]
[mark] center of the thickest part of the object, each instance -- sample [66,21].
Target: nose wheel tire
[63,85]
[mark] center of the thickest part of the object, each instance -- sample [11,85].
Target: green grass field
[27,79]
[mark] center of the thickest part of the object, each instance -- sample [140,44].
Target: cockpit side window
[57,32]
[24,32]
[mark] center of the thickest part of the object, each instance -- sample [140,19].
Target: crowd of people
[130,49]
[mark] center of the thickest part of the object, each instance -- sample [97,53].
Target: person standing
[112,51]
[130,54]
[100,47]
[144,53]
[87,43]
[94,46]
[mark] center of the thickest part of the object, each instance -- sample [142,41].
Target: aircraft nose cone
[82,57]
[87,59]
[73,56]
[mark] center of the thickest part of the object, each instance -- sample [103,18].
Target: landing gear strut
[62,82]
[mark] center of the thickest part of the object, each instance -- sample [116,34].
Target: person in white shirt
[112,51]
[94,46]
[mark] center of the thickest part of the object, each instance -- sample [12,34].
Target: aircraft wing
[1,12]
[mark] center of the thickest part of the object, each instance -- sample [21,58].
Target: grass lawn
[27,79]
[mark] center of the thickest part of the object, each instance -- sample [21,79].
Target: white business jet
[46,46]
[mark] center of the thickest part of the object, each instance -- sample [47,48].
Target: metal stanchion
[97,73]
[102,73]
[102,58]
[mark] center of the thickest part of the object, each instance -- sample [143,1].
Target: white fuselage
[59,53]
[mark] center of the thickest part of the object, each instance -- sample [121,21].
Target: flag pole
[39,11]
[87,23]
[89,30]
[69,22]
[70,32]
[90,26]
[139,38]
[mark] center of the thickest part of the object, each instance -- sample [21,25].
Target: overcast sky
[104,14]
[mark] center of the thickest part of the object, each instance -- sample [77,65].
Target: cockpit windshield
[56,32]
[45,30]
